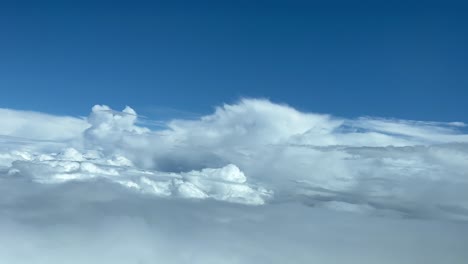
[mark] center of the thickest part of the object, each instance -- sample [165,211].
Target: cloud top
[253,182]
[252,152]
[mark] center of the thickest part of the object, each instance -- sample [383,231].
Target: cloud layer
[242,170]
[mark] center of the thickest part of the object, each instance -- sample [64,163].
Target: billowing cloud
[239,171]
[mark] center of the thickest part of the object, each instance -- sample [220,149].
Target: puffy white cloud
[407,167]
[241,170]
[225,184]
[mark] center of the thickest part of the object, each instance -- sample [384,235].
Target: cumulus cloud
[240,170]
[410,168]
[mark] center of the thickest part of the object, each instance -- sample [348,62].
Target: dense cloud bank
[254,182]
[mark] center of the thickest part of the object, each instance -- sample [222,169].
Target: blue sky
[402,59]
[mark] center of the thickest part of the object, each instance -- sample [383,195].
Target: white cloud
[220,170]
[38,126]
[397,165]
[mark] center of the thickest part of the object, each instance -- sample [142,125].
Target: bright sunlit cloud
[224,174]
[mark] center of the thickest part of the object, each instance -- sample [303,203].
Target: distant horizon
[164,113]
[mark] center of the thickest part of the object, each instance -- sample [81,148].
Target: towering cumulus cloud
[254,182]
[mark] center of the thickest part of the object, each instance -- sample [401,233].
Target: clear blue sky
[402,59]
